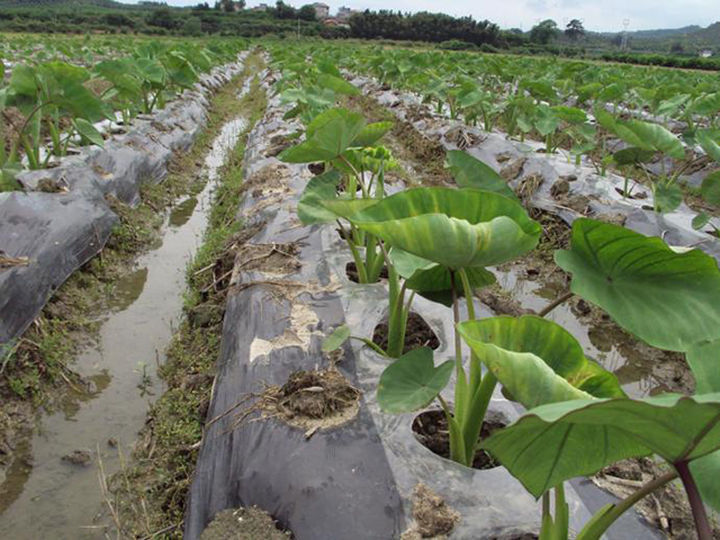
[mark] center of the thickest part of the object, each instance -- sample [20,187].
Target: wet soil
[352,273]
[417,334]
[666,508]
[244,524]
[431,430]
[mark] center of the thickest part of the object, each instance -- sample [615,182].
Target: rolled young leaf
[669,300]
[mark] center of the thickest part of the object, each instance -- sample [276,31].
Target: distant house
[322,11]
[261,7]
[344,13]
[706,53]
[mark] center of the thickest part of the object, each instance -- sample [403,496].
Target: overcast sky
[606,15]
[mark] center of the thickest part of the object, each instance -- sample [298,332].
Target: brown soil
[501,302]
[560,191]
[513,170]
[666,508]
[463,138]
[267,180]
[431,430]
[433,517]
[268,258]
[418,334]
[352,273]
[278,143]
[244,524]
[316,168]
[407,143]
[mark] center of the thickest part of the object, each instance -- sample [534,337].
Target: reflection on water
[182,212]
[128,289]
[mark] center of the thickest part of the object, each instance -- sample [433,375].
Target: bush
[457,45]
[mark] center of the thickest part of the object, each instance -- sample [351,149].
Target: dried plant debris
[250,523]
[7,261]
[513,170]
[268,258]
[309,400]
[528,187]
[433,517]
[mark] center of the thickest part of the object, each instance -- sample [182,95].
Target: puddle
[44,496]
[606,344]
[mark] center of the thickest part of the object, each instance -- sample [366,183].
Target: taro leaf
[704,360]
[669,300]
[536,360]
[336,84]
[559,441]
[23,80]
[706,471]
[546,121]
[710,188]
[700,221]
[473,173]
[371,133]
[632,156]
[708,144]
[412,381]
[650,137]
[462,228]
[320,188]
[571,115]
[88,131]
[432,280]
[667,197]
[335,340]
[327,137]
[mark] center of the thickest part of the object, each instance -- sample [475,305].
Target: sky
[604,15]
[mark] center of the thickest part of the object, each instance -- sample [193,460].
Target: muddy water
[46,496]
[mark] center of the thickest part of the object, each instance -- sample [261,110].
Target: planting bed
[350,469]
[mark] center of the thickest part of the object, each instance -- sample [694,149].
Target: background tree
[574,30]
[307,13]
[544,32]
[283,11]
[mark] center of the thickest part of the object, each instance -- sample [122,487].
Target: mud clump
[243,524]
[417,334]
[513,170]
[78,457]
[433,517]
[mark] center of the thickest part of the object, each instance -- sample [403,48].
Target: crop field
[343,290]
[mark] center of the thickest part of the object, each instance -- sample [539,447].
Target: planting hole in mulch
[316,168]
[352,273]
[418,334]
[516,536]
[431,430]
[309,400]
[631,195]
[433,517]
[250,523]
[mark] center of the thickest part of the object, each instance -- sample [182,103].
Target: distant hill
[63,3]
[664,32]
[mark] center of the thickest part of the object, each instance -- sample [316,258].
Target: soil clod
[417,334]
[244,524]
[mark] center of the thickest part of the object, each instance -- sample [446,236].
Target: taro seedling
[343,142]
[668,299]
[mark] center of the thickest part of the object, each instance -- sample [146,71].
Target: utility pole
[298,28]
[624,43]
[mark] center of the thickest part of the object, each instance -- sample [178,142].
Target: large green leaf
[456,228]
[708,143]
[667,197]
[473,173]
[327,137]
[632,156]
[710,188]
[432,280]
[371,134]
[559,441]
[537,360]
[650,137]
[88,131]
[669,300]
[336,84]
[320,188]
[412,381]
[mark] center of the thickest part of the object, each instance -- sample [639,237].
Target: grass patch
[149,494]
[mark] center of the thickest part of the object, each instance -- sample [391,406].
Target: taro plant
[668,299]
[450,236]
[343,142]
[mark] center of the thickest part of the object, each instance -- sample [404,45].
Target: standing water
[53,490]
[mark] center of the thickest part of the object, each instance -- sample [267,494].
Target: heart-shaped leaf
[472,173]
[335,340]
[537,360]
[327,137]
[559,441]
[412,381]
[455,228]
[669,300]
[320,188]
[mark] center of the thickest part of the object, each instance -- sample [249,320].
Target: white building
[344,13]
[707,53]
[322,11]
